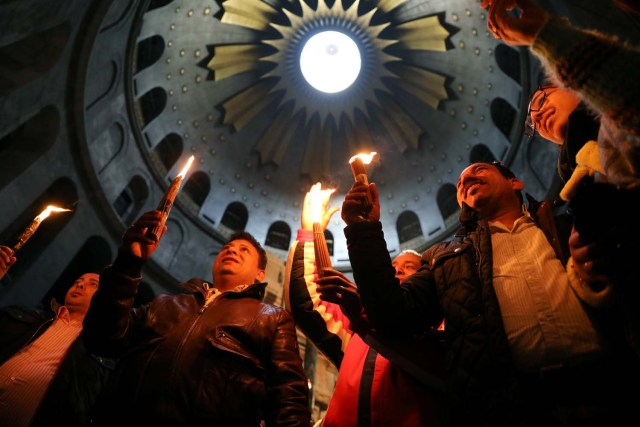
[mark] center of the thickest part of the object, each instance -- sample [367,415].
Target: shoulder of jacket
[26,315]
[445,250]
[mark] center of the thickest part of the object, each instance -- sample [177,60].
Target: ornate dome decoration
[223,81]
[334,123]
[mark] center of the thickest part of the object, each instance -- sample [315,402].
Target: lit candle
[166,203]
[357,163]
[319,200]
[28,232]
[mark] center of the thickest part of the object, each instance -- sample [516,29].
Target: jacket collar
[470,217]
[199,286]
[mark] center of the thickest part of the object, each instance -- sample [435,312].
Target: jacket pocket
[233,382]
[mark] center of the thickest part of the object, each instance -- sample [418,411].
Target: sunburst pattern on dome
[331,122]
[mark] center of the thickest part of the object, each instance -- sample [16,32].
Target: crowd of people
[525,316]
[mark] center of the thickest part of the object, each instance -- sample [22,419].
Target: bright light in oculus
[330,61]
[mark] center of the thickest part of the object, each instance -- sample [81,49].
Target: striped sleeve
[322,322]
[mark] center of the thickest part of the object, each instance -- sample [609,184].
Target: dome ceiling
[222,81]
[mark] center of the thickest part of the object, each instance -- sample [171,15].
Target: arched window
[152,104]
[503,116]
[508,59]
[131,199]
[27,143]
[408,226]
[447,200]
[169,150]
[235,217]
[279,235]
[197,187]
[149,51]
[31,57]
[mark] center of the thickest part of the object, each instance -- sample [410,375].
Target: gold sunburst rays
[375,58]
[298,104]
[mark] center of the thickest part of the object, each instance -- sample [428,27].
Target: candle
[166,203]
[357,163]
[319,200]
[28,232]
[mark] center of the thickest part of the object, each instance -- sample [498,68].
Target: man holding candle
[46,373]
[370,389]
[533,333]
[212,355]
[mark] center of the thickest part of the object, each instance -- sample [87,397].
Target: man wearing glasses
[533,329]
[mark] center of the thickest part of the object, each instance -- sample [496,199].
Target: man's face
[552,118]
[406,265]
[483,187]
[237,263]
[80,293]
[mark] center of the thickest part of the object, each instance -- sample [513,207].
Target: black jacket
[234,362]
[454,283]
[79,379]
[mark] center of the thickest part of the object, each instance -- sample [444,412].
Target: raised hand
[358,207]
[515,31]
[6,260]
[134,238]
[593,262]
[322,202]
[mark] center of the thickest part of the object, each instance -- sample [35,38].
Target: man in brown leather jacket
[214,355]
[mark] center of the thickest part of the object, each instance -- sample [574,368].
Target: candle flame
[48,210]
[186,167]
[319,198]
[366,158]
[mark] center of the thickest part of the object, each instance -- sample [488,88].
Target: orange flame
[319,199]
[366,158]
[186,167]
[48,210]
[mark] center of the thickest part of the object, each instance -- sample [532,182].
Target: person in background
[214,354]
[370,389]
[533,334]
[605,185]
[46,373]
[599,68]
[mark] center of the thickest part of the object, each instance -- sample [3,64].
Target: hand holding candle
[166,203]
[31,228]
[357,163]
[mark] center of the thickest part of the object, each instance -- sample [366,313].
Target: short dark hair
[503,169]
[507,173]
[262,254]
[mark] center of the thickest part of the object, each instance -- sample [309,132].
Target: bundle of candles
[318,198]
[166,203]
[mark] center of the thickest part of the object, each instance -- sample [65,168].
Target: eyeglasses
[535,104]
